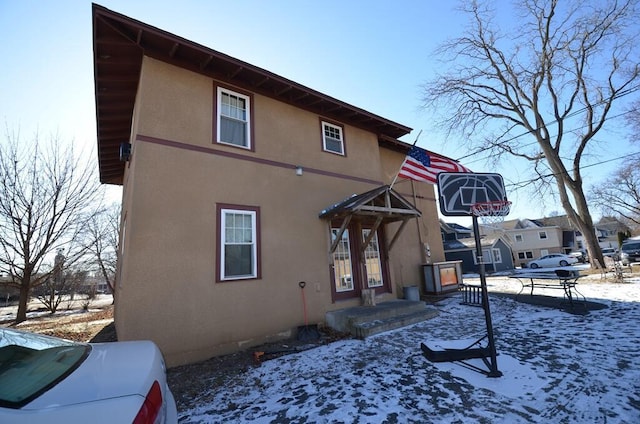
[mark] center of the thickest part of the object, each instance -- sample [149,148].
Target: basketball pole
[493,372]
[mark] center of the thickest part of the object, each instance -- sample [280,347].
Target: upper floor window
[542,235]
[233,118]
[518,238]
[332,138]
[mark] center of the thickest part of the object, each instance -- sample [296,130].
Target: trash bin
[411,293]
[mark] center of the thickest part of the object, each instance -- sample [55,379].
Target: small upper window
[233,118]
[332,138]
[542,235]
[518,238]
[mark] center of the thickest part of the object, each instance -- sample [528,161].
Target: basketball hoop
[491,213]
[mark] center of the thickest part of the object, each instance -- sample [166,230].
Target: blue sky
[373,54]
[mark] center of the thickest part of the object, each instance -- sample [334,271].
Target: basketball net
[491,213]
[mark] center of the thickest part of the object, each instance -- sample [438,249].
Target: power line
[527,182]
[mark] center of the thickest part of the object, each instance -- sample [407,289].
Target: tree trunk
[579,216]
[23,302]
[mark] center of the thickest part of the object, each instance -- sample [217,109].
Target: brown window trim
[214,134]
[256,209]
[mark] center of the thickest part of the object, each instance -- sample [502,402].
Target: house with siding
[529,239]
[238,185]
[496,254]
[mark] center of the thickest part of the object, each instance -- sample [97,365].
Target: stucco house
[238,184]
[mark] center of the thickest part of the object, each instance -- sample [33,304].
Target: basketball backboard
[458,191]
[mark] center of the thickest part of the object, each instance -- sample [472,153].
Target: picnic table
[564,279]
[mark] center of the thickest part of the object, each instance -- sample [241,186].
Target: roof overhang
[119,44]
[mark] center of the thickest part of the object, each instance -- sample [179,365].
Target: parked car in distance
[47,379]
[580,256]
[611,252]
[630,252]
[552,260]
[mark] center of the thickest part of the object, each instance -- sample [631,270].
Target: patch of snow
[557,367]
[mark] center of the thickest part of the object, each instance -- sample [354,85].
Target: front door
[358,262]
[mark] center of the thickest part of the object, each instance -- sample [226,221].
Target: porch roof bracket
[343,227]
[398,231]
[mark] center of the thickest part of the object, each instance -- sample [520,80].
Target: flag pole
[405,159]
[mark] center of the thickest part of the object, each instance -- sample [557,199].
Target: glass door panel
[373,266]
[342,262]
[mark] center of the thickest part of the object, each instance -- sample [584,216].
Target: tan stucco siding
[172,285]
[179,104]
[174,104]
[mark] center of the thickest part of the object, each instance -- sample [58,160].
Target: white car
[47,379]
[553,260]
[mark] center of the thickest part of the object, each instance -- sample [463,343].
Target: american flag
[421,165]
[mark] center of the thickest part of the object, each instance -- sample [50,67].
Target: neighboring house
[569,233]
[237,185]
[608,228]
[496,254]
[532,238]
[529,239]
[454,231]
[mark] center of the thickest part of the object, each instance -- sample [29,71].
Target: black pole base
[451,355]
[461,355]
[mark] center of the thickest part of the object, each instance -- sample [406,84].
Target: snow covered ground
[557,367]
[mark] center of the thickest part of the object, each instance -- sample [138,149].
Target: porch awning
[382,204]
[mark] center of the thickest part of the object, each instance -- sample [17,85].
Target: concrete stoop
[364,321]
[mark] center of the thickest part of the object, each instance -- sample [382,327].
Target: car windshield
[631,246]
[31,364]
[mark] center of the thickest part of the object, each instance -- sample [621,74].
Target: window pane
[233,107]
[232,131]
[373,265]
[333,145]
[238,260]
[342,262]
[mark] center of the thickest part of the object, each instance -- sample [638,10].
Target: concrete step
[365,329]
[364,321]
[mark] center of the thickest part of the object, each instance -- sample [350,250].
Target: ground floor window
[497,256]
[525,255]
[486,257]
[238,256]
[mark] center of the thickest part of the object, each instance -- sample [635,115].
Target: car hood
[111,370]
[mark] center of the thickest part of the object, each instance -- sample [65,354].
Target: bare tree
[103,241]
[60,283]
[620,194]
[47,195]
[543,92]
